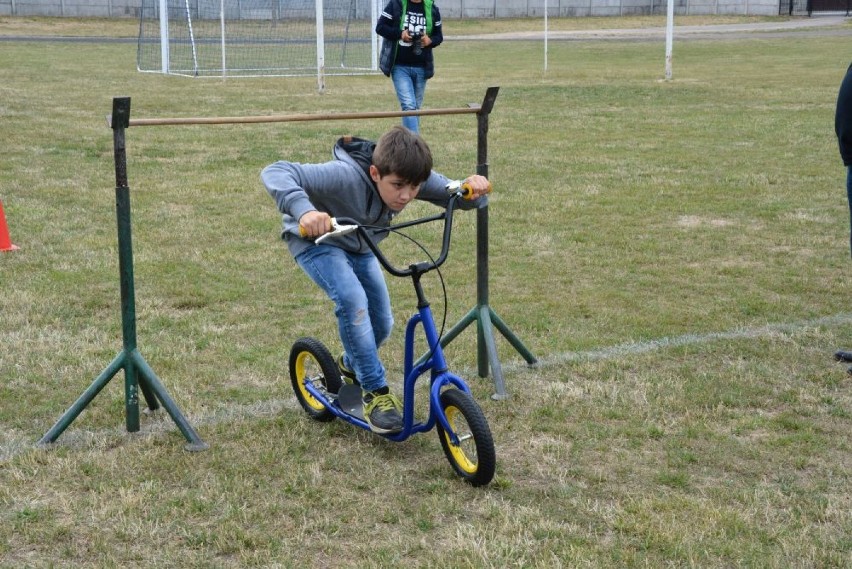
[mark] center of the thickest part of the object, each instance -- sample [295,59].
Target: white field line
[636,348]
[13,443]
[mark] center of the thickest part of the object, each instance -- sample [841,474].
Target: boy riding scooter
[369,183]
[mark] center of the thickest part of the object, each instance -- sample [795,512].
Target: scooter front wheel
[311,362]
[473,458]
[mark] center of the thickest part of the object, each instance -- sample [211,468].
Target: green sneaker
[346,373]
[383,411]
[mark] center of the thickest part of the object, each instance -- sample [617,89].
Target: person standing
[843,129]
[410,29]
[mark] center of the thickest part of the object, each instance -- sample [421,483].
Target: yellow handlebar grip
[467,191]
[302,231]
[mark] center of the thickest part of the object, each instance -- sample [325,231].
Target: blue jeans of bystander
[410,86]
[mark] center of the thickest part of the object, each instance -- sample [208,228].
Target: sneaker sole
[380,431]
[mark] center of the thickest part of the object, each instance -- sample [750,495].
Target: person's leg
[403,84]
[382,409]
[849,202]
[845,355]
[379,312]
[418,80]
[332,269]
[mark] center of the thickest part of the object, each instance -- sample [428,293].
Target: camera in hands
[417,43]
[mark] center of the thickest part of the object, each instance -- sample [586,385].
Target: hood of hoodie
[359,152]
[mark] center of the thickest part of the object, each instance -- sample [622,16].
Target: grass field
[674,253]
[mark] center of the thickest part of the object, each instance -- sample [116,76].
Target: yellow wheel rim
[461,458]
[304,365]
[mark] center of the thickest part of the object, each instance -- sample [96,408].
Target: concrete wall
[449,8]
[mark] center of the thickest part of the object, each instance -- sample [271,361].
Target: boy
[369,183]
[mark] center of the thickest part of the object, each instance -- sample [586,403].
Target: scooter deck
[349,399]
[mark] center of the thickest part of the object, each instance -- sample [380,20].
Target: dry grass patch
[681,273]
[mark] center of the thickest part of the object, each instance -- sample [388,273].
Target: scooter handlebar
[464,189]
[336,229]
[458,189]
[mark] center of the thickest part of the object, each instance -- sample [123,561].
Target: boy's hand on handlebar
[475,187]
[314,224]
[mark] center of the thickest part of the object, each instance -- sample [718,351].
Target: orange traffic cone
[5,240]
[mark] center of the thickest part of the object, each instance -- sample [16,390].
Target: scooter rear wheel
[311,362]
[473,458]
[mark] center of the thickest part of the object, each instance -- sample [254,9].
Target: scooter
[462,427]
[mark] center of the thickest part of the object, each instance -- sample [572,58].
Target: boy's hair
[402,152]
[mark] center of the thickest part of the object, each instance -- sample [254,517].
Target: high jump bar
[472,108]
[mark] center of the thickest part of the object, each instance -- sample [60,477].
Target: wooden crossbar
[470,109]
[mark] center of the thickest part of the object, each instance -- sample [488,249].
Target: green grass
[675,253]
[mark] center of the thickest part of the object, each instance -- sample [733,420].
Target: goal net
[252,38]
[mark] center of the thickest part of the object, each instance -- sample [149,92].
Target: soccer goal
[250,38]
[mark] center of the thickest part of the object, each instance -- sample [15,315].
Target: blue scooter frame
[440,380]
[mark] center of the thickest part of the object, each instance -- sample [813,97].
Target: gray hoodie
[341,188]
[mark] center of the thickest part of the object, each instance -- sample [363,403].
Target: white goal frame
[165,64]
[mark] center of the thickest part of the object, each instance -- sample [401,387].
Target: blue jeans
[356,285]
[410,85]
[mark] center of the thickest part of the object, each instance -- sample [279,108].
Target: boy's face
[394,191]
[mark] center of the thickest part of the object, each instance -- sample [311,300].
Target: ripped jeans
[356,285]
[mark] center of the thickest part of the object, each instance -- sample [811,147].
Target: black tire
[310,361]
[474,458]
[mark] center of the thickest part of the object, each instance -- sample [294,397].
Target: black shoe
[843,356]
[346,373]
[383,411]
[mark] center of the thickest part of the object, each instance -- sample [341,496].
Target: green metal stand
[482,313]
[137,373]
